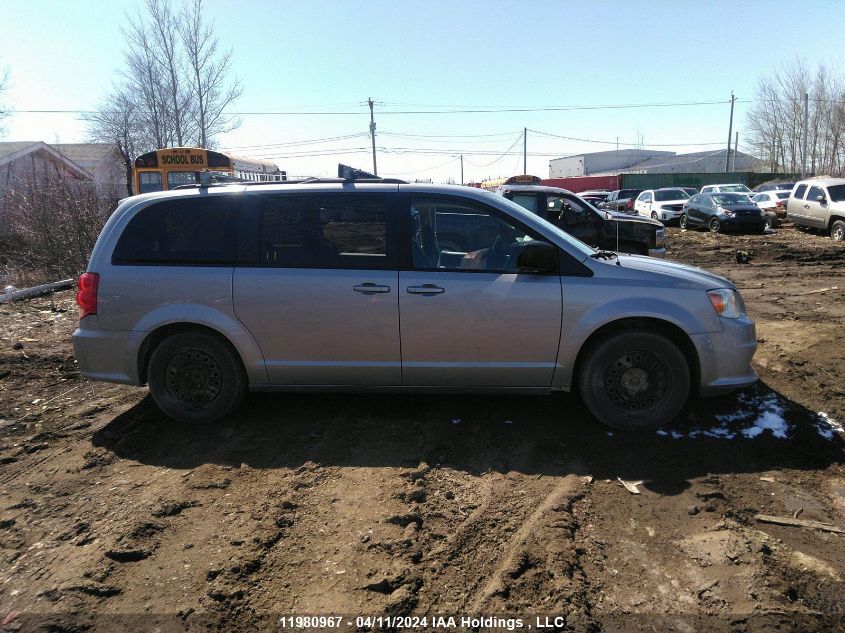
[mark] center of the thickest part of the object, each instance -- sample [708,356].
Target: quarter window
[324,231]
[184,231]
[451,236]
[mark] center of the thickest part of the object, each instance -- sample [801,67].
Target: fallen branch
[794,522]
[815,292]
[43,289]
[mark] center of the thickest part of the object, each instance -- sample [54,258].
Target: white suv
[661,204]
[734,188]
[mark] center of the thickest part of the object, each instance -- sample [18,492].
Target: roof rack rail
[352,174]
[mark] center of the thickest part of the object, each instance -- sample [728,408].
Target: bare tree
[775,122]
[5,111]
[117,121]
[209,67]
[174,86]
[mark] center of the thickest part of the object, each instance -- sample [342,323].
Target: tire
[634,380]
[837,231]
[654,215]
[683,221]
[714,225]
[194,377]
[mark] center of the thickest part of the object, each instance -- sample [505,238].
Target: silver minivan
[819,203]
[208,292]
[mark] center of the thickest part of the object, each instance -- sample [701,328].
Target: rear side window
[799,192]
[199,231]
[325,231]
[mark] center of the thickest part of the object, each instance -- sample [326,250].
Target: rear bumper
[725,357]
[107,354]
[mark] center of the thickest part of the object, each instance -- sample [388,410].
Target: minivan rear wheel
[635,380]
[194,377]
[837,231]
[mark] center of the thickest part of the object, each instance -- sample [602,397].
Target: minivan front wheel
[194,377]
[635,380]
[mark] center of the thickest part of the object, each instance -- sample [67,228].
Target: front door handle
[370,288]
[426,289]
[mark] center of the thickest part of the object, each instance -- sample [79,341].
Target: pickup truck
[605,230]
[621,200]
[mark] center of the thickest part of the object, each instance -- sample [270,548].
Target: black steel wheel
[634,380]
[714,225]
[196,377]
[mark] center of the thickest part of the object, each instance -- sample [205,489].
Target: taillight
[630,204]
[86,296]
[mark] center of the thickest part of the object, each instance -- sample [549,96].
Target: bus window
[176,178]
[149,181]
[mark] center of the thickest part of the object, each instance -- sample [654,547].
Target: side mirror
[820,199]
[537,257]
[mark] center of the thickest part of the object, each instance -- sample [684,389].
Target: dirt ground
[115,518]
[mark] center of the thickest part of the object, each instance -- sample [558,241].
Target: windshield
[548,227]
[836,193]
[662,195]
[735,188]
[730,199]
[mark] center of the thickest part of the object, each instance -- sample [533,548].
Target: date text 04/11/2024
[445,622]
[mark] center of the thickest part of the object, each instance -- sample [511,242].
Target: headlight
[725,212]
[727,303]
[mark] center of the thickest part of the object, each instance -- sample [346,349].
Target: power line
[589,140]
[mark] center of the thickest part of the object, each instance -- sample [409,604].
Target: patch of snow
[826,426]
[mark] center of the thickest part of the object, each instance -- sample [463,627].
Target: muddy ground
[115,518]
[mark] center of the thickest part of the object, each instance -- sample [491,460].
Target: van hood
[686,275]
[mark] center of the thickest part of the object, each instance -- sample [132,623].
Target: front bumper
[725,357]
[742,224]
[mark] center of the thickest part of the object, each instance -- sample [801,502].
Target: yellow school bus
[165,169]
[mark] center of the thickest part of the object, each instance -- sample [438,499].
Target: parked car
[774,186]
[723,212]
[621,200]
[819,203]
[661,204]
[211,291]
[601,229]
[734,188]
[595,196]
[772,201]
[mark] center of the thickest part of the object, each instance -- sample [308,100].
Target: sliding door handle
[426,289]
[370,288]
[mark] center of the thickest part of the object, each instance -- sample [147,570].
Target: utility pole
[736,145]
[525,150]
[804,142]
[730,132]
[373,135]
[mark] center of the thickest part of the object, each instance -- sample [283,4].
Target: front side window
[324,231]
[448,235]
[149,181]
[814,194]
[571,210]
[182,231]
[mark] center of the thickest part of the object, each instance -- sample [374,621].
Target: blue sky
[323,56]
